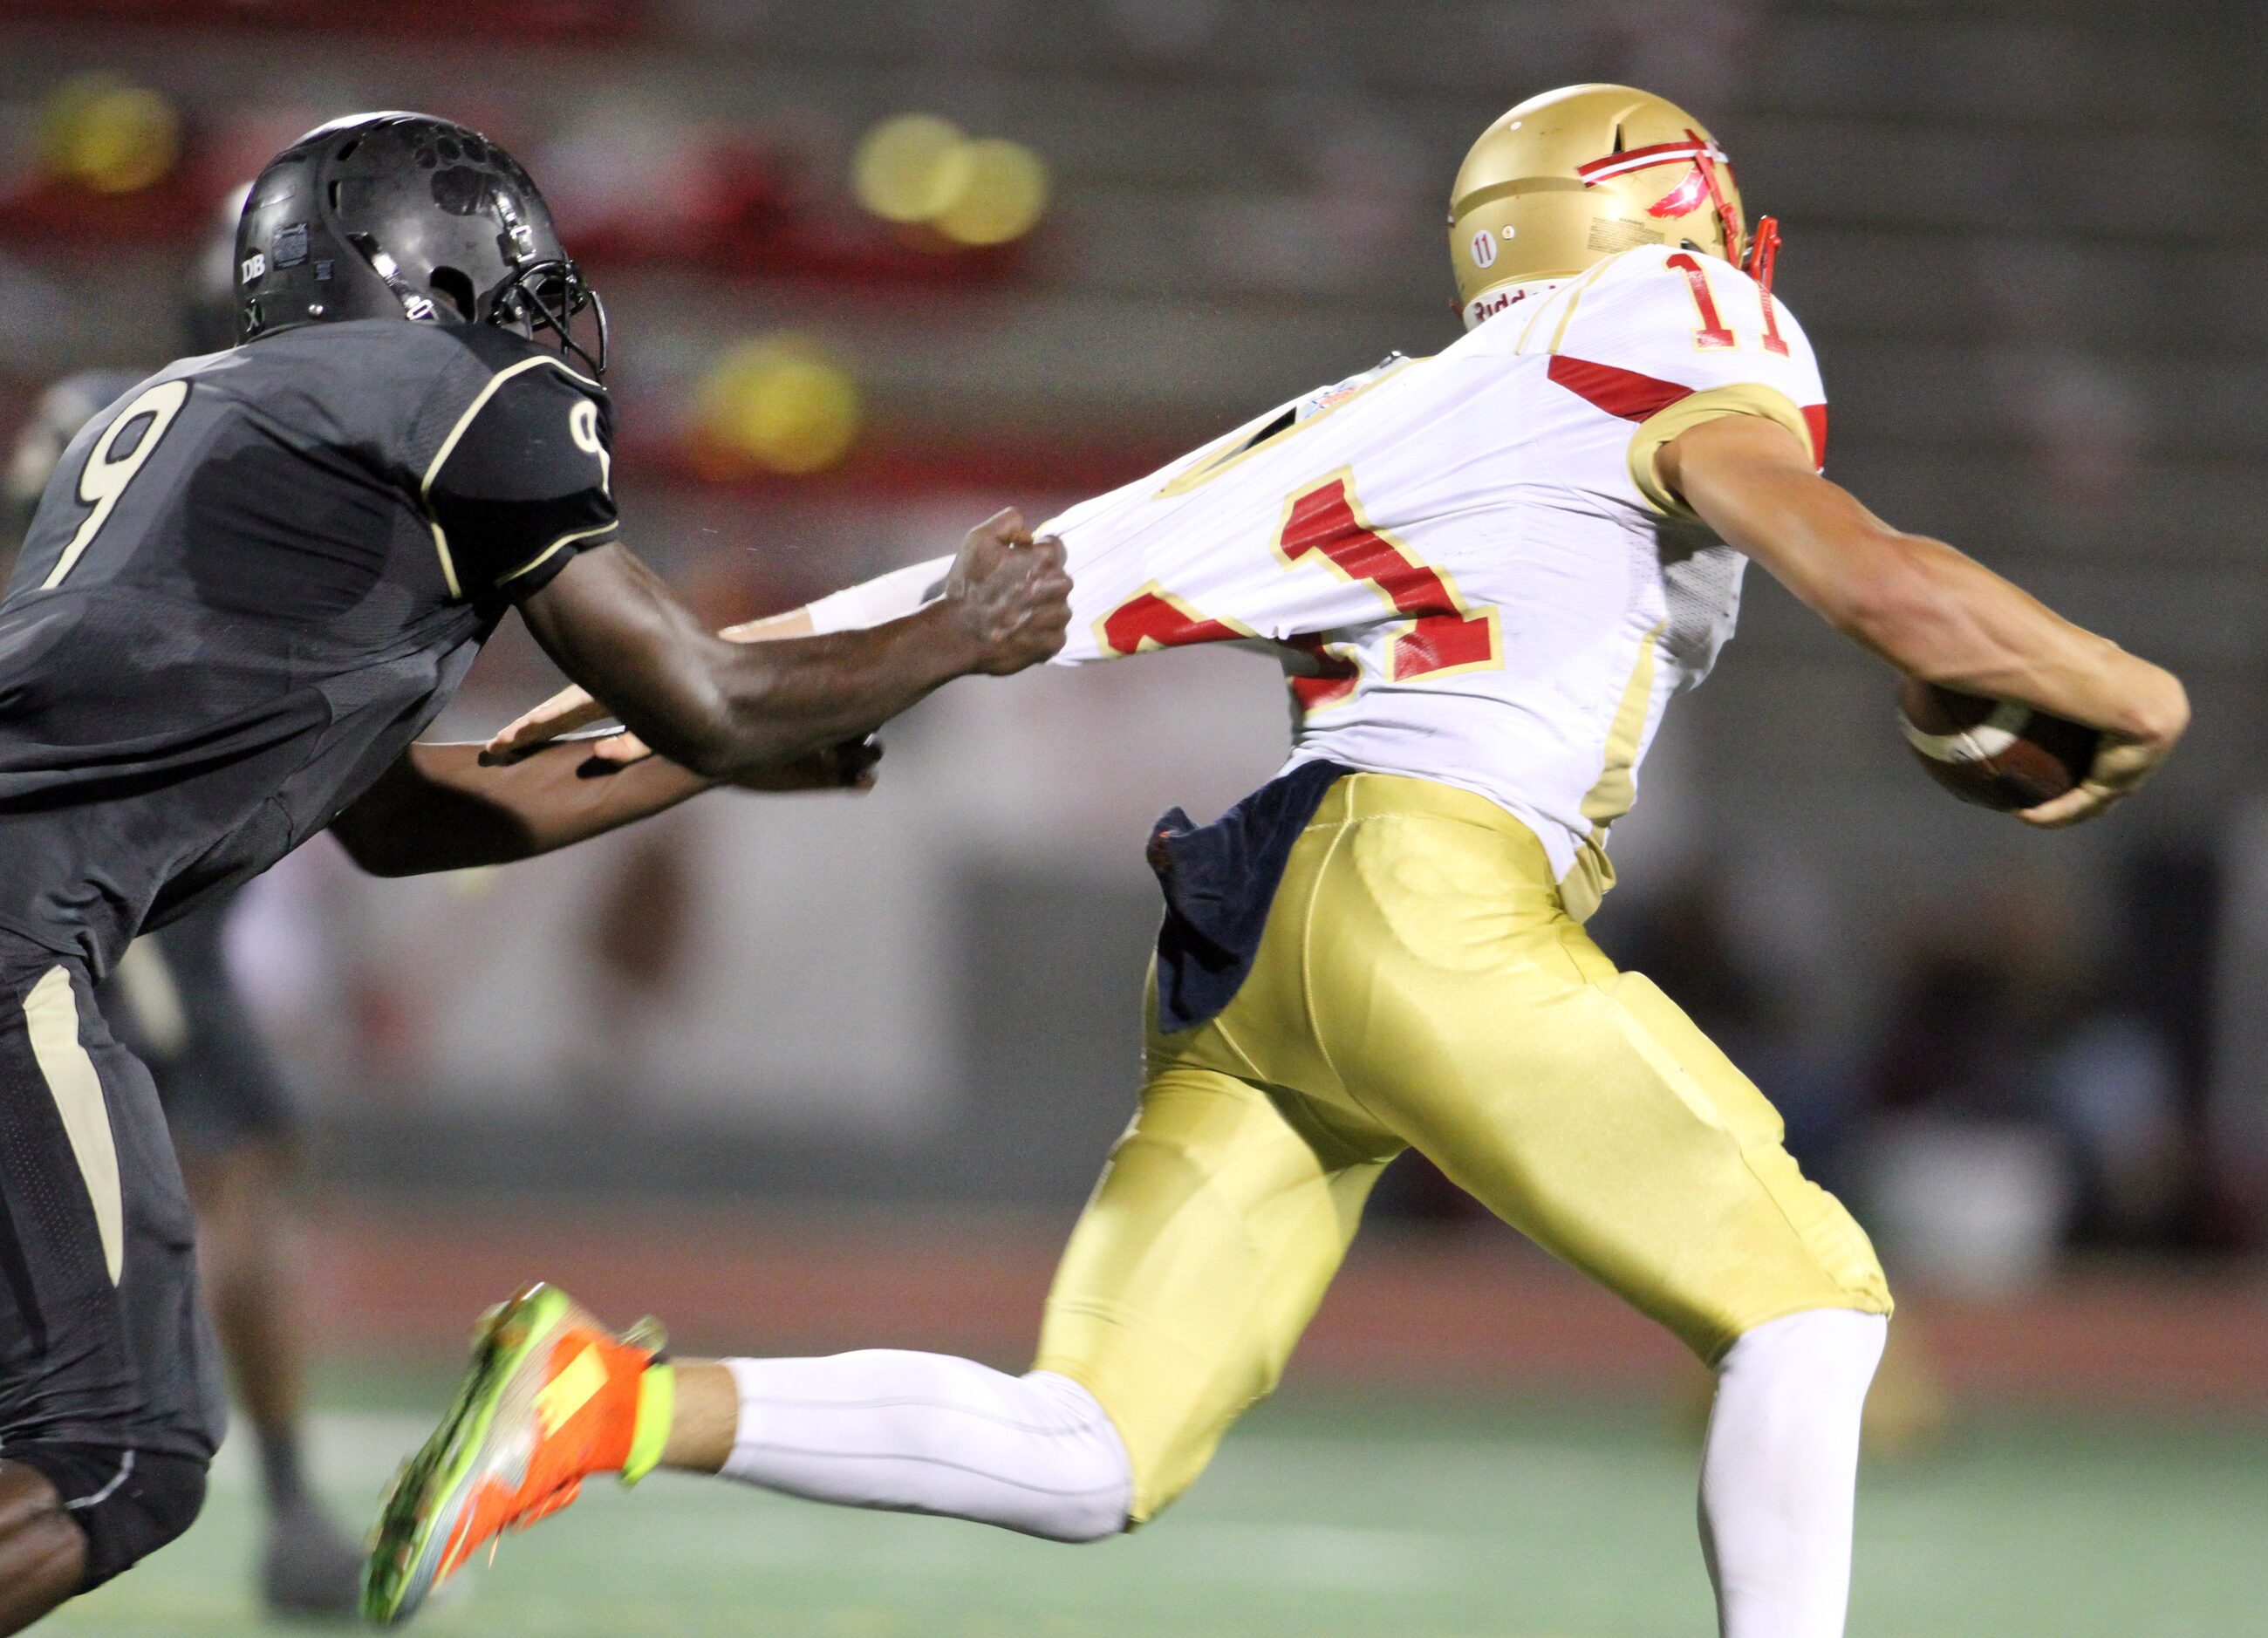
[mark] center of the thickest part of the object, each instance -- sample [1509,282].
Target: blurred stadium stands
[2021,234]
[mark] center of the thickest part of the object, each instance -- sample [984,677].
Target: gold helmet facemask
[1576,175]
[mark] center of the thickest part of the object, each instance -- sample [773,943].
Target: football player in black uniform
[249,586]
[174,1001]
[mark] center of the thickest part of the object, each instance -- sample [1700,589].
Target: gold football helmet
[1581,172]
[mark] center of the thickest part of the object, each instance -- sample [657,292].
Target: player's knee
[1161,1470]
[154,1502]
[128,1503]
[1827,1346]
[1153,1450]
[1094,1495]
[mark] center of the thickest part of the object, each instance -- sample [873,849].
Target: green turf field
[1326,1516]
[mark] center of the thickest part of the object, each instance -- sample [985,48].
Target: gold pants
[1420,985]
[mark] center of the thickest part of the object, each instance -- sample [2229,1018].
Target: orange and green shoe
[552,1398]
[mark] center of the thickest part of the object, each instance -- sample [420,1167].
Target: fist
[1010,595]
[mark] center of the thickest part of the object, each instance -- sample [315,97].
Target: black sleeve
[525,483]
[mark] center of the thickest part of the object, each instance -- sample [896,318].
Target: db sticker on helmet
[1483,248]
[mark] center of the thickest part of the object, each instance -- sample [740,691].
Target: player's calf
[1779,1475]
[927,1433]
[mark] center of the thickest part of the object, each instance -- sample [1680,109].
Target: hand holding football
[1997,754]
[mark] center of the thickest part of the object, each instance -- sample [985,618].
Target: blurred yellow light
[784,402]
[109,135]
[1002,194]
[909,167]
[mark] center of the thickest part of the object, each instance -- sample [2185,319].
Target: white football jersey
[1465,562]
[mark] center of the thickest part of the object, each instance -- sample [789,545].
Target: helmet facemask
[547,296]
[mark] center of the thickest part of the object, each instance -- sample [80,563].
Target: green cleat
[552,1397]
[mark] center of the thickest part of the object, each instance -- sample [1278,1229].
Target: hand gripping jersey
[252,581]
[1465,562]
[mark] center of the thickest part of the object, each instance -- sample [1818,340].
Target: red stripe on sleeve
[1814,417]
[1619,391]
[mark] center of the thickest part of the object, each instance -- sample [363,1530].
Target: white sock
[926,1433]
[1780,1477]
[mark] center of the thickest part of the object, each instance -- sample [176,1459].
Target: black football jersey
[249,585]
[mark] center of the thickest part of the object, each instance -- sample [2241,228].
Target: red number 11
[1714,332]
[1444,634]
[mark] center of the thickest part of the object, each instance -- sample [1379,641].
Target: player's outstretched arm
[448,807]
[726,709]
[1930,611]
[875,602]
[572,708]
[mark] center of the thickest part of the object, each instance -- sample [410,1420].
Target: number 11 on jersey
[1714,332]
[1326,520]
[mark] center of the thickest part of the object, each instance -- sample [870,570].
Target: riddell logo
[1487,306]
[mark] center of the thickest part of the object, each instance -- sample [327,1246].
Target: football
[1997,754]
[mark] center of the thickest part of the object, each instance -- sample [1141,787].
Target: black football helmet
[404,216]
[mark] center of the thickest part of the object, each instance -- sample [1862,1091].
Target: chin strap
[1763,253]
[416,306]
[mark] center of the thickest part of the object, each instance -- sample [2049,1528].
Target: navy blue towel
[1219,879]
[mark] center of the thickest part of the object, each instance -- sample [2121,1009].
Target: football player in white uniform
[1486,574]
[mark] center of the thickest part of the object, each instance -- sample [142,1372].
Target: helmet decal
[1684,199]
